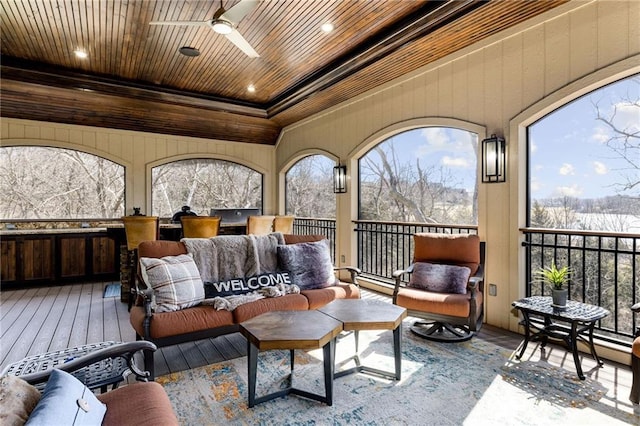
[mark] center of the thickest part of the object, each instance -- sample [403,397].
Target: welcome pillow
[309,264]
[440,278]
[175,281]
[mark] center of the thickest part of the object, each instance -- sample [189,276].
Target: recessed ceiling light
[251,88]
[327,27]
[81,54]
[189,51]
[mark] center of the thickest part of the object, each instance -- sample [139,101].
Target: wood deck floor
[39,320]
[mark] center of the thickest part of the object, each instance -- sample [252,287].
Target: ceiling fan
[225,22]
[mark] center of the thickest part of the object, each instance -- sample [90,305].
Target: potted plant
[557,278]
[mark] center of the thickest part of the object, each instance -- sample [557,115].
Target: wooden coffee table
[291,330]
[360,314]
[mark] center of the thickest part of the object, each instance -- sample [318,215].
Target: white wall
[532,67]
[138,152]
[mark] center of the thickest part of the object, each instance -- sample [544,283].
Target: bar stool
[283,224]
[200,226]
[260,225]
[137,229]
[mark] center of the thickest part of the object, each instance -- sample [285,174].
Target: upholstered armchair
[635,362]
[445,286]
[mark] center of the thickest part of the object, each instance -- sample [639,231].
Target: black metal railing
[384,247]
[605,271]
[316,226]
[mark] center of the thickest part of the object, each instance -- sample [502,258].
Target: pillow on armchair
[309,264]
[440,278]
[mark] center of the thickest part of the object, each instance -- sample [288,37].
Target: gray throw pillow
[440,278]
[309,264]
[175,281]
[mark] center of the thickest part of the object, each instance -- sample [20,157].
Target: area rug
[111,290]
[472,383]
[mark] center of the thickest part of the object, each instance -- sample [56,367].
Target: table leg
[329,361]
[574,349]
[252,363]
[592,346]
[527,333]
[292,358]
[397,349]
[356,334]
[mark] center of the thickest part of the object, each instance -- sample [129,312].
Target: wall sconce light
[493,160]
[340,179]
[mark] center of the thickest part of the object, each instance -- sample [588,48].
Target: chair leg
[441,332]
[133,274]
[634,396]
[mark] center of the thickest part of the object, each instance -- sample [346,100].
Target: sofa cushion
[139,404]
[165,324]
[17,400]
[175,281]
[67,401]
[309,264]
[440,278]
[321,296]
[289,302]
[295,239]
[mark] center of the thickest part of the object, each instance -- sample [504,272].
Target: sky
[569,154]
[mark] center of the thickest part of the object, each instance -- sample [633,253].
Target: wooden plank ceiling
[134,77]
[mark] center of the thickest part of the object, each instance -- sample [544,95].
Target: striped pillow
[175,281]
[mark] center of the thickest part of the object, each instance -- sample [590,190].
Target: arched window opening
[204,184]
[425,175]
[584,162]
[309,188]
[39,182]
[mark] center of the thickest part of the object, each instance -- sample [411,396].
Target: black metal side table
[581,317]
[101,374]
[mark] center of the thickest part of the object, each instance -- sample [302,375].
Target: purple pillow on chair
[440,278]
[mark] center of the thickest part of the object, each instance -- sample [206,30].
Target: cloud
[567,169]
[455,161]
[568,191]
[439,139]
[600,168]
[600,135]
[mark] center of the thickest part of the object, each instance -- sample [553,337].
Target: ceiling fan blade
[242,44]
[239,11]
[189,23]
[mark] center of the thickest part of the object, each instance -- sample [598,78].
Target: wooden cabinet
[56,258]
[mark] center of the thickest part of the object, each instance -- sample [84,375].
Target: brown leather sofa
[200,322]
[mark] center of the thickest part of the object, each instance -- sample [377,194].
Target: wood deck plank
[79,332]
[42,342]
[22,335]
[62,334]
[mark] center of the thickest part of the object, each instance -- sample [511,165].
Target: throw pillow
[175,281]
[238,286]
[309,264]
[17,400]
[440,278]
[66,401]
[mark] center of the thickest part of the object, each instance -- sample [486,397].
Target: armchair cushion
[309,264]
[440,278]
[452,249]
[67,401]
[175,281]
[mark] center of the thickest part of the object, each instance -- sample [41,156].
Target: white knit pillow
[175,281]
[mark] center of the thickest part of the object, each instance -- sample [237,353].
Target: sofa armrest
[123,350]
[352,270]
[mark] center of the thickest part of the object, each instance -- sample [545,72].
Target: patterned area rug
[474,382]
